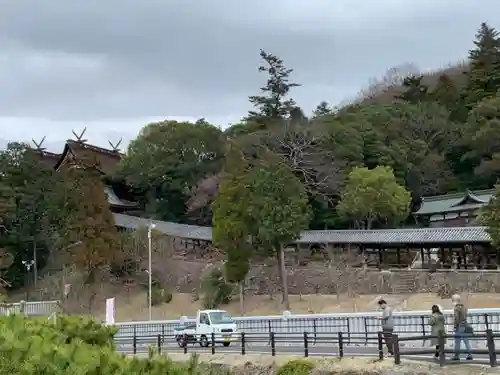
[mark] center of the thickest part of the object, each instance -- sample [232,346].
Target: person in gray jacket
[387,324]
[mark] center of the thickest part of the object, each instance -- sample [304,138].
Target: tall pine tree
[484,73]
[273,104]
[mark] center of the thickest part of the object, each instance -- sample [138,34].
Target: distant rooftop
[466,201]
[421,236]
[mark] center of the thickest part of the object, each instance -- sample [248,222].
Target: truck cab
[216,322]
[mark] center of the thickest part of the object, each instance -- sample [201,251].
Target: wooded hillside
[437,132]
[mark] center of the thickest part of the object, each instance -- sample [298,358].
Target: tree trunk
[369,223]
[283,276]
[242,297]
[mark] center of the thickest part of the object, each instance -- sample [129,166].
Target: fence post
[423,324]
[269,329]
[134,341]
[159,344]
[341,345]
[243,349]
[366,330]
[490,340]
[395,345]
[314,330]
[185,348]
[273,344]
[306,345]
[348,330]
[380,343]
[213,343]
[441,343]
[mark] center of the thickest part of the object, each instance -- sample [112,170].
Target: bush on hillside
[160,295]
[216,290]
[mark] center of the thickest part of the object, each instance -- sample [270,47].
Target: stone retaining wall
[185,276]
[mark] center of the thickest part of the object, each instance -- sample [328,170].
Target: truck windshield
[220,317]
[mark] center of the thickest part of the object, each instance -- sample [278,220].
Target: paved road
[297,349]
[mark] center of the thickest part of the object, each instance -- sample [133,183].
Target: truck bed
[187,329]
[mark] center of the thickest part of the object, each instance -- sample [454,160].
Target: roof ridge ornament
[79,138]
[115,147]
[39,145]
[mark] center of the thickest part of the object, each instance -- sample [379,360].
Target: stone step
[403,283]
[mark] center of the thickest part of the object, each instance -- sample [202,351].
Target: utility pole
[151,226]
[35,263]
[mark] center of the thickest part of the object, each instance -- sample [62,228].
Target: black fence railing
[320,344]
[490,350]
[356,326]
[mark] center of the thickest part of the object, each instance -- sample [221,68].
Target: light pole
[151,226]
[28,264]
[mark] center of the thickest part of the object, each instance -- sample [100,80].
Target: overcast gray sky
[115,65]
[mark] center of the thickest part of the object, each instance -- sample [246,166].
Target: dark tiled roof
[171,229]
[468,200]
[385,236]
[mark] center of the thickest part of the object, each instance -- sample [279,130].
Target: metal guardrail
[354,325]
[30,308]
[324,344]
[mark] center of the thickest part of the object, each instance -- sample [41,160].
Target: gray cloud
[92,61]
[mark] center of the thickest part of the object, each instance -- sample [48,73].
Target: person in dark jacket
[437,323]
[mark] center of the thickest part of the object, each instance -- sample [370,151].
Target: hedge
[72,345]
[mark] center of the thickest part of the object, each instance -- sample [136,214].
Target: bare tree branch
[301,145]
[392,79]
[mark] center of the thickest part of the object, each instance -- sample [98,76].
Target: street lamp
[28,264]
[151,226]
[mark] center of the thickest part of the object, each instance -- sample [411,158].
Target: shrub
[216,291]
[159,295]
[73,346]
[81,346]
[296,367]
[445,290]
[85,329]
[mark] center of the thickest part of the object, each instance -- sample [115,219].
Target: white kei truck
[208,322]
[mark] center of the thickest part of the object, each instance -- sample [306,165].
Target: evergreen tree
[448,95]
[322,109]
[484,74]
[90,221]
[414,90]
[272,103]
[490,217]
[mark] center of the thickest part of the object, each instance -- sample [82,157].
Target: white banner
[110,311]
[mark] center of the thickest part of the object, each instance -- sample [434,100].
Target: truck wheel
[226,344]
[204,341]
[181,342]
